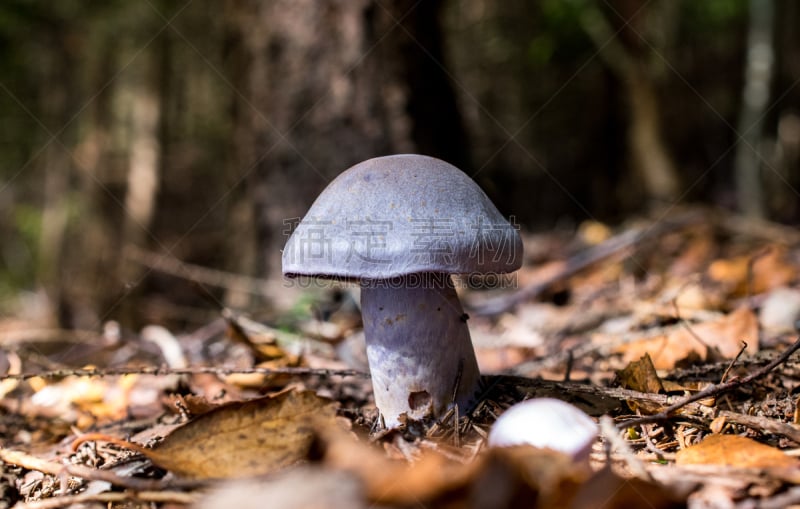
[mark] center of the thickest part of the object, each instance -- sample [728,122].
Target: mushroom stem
[418,346]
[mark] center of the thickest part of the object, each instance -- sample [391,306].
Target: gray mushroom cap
[399,215]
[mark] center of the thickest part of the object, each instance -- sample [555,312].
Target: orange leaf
[734,451]
[769,270]
[725,336]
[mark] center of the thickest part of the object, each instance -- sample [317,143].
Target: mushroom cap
[398,215]
[546,423]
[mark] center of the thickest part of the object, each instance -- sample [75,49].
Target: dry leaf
[694,255]
[495,360]
[239,439]
[734,451]
[524,476]
[725,336]
[607,490]
[641,376]
[521,476]
[389,481]
[191,403]
[769,269]
[85,400]
[262,381]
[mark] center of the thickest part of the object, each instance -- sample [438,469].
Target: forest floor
[676,334]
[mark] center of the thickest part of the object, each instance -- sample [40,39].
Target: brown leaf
[725,336]
[245,438]
[734,451]
[262,381]
[389,481]
[641,376]
[769,269]
[520,476]
[607,490]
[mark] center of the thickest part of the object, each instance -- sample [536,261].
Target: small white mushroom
[546,423]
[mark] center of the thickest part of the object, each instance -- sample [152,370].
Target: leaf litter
[240,438]
[666,328]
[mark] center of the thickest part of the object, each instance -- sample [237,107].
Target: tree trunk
[321,85]
[58,170]
[649,155]
[758,77]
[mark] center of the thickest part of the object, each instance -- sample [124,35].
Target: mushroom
[400,226]
[546,423]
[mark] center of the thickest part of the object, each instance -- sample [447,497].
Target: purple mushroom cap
[398,215]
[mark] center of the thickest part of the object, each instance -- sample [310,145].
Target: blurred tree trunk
[143,177]
[758,77]
[649,155]
[321,85]
[91,250]
[58,170]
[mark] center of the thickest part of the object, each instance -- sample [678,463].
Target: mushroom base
[418,346]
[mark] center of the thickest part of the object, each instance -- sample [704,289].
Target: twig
[195,370]
[713,391]
[109,498]
[24,336]
[619,244]
[733,362]
[199,274]
[762,424]
[30,462]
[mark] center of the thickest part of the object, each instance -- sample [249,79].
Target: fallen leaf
[191,404]
[495,360]
[765,271]
[262,381]
[390,481]
[725,336]
[734,451]
[694,255]
[520,476]
[641,376]
[607,490]
[85,400]
[240,439]
[694,296]
[245,438]
[524,476]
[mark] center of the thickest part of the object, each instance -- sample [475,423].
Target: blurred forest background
[150,133]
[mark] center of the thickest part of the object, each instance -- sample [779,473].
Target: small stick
[195,370]
[733,362]
[763,424]
[30,462]
[713,390]
[110,498]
